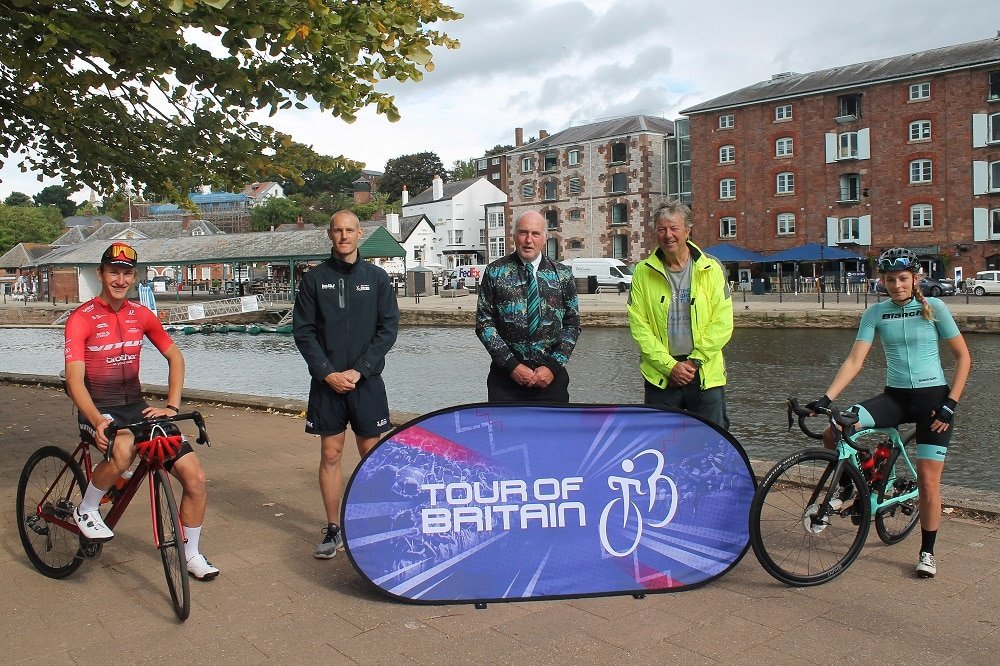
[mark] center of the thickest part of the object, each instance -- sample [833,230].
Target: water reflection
[430,368]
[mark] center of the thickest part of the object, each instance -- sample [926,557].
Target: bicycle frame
[847,452]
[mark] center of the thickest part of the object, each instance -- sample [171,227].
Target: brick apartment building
[903,151]
[595,184]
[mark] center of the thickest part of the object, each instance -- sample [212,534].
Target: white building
[457,212]
[416,234]
[261,192]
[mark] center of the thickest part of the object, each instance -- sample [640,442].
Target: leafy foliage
[463,169]
[19,199]
[24,224]
[416,171]
[160,92]
[379,204]
[499,149]
[58,196]
[273,212]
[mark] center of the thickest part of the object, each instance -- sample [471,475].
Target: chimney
[186,222]
[437,186]
[406,196]
[542,134]
[392,223]
[518,137]
[299,224]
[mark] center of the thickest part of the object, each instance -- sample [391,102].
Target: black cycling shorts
[129,414]
[366,408]
[899,405]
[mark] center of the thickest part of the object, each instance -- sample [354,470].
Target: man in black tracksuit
[345,322]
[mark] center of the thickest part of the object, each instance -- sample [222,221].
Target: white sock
[91,499]
[193,535]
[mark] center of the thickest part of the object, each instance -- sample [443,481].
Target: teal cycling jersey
[910,341]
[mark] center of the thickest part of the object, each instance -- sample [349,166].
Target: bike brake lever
[199,421]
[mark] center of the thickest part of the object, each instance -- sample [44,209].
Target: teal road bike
[813,510]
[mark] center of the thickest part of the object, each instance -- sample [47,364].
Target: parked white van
[613,273]
[986,282]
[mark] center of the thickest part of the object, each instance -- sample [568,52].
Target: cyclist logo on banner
[503,502]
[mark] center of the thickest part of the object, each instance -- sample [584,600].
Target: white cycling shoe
[201,568]
[92,525]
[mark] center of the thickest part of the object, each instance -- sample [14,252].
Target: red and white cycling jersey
[109,344]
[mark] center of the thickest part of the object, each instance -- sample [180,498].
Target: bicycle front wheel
[168,527]
[792,541]
[895,523]
[50,488]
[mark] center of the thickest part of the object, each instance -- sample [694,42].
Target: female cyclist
[910,327]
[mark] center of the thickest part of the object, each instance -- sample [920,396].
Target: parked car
[985,282]
[928,285]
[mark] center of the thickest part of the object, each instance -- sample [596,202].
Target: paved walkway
[275,603]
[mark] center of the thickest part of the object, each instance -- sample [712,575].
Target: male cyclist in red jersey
[104,339]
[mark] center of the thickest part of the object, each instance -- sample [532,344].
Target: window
[994,128]
[921,216]
[576,245]
[850,230]
[995,223]
[198,231]
[552,249]
[574,187]
[497,246]
[573,157]
[786,183]
[495,220]
[848,146]
[920,91]
[550,162]
[617,152]
[727,121]
[727,227]
[549,191]
[727,154]
[527,164]
[619,213]
[552,219]
[458,236]
[783,112]
[786,224]
[783,147]
[848,108]
[495,161]
[619,182]
[920,130]
[619,246]
[495,175]
[527,190]
[574,214]
[994,92]
[482,165]
[920,171]
[850,188]
[994,177]
[482,236]
[727,188]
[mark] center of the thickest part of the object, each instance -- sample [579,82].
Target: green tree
[273,212]
[320,208]
[415,171]
[160,92]
[58,196]
[463,169]
[23,224]
[19,199]
[379,204]
[499,149]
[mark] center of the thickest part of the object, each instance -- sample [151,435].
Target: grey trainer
[327,549]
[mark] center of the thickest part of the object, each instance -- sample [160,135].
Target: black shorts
[366,408]
[898,405]
[129,414]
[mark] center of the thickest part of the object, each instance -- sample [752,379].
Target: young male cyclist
[104,337]
[909,326]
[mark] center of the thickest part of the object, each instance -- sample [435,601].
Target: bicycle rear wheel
[51,486]
[896,522]
[168,526]
[788,538]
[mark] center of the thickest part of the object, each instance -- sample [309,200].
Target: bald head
[529,235]
[345,233]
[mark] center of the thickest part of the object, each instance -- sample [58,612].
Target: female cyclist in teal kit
[910,327]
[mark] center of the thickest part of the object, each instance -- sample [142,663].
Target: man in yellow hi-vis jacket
[680,312]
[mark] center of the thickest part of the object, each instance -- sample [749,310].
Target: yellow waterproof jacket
[711,317]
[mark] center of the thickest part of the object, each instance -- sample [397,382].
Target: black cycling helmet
[898,259]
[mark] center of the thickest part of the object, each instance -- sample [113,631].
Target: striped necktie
[533,305]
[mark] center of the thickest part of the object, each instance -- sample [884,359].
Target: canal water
[434,367]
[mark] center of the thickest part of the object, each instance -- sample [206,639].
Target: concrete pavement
[275,603]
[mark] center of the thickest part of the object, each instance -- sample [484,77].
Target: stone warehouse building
[596,185]
[903,151]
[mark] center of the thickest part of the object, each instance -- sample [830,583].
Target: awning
[728,253]
[811,252]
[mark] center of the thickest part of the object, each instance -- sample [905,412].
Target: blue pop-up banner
[483,503]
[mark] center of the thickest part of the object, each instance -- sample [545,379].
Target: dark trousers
[709,404]
[501,388]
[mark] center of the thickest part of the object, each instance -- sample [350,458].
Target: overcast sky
[549,64]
